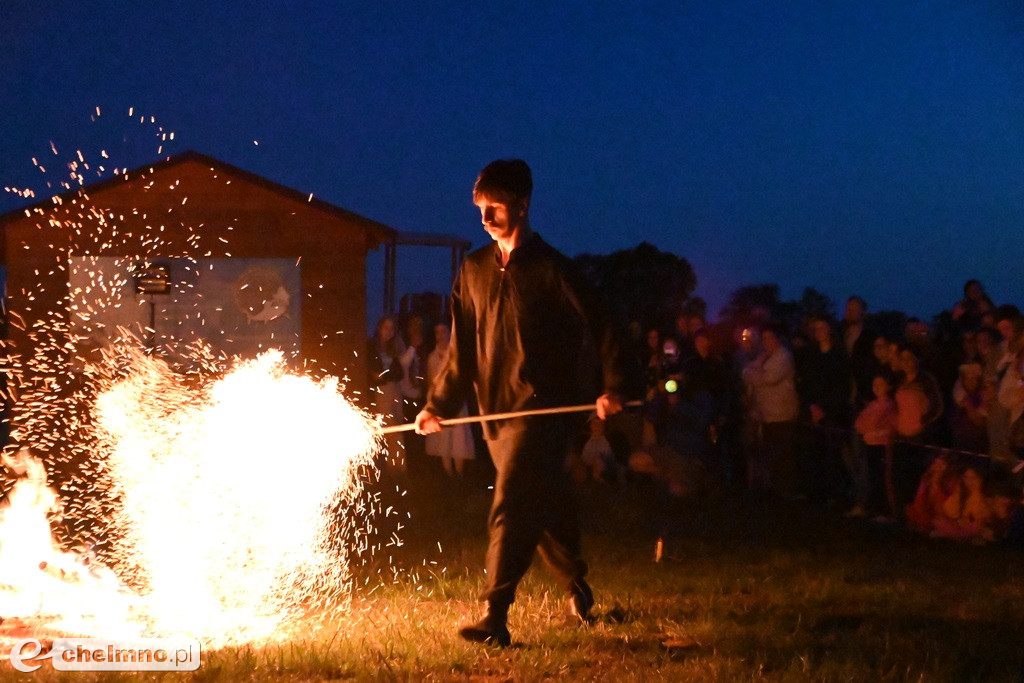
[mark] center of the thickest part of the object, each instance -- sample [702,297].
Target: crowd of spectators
[923,428]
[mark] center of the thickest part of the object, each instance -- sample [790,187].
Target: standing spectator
[743,427]
[875,427]
[772,379]
[824,389]
[1011,397]
[882,353]
[917,335]
[919,404]
[453,445]
[969,311]
[413,383]
[384,359]
[706,373]
[968,413]
[652,362]
[986,341]
[1010,324]
[683,336]
[858,343]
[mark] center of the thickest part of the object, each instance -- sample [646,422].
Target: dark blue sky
[870,146]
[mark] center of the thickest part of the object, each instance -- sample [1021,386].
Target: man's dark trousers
[534,509]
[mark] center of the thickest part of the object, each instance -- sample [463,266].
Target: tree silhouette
[643,284]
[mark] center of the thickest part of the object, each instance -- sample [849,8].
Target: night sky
[874,147]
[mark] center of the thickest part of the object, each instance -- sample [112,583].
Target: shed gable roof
[377,232]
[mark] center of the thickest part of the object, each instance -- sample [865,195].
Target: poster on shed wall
[238,306]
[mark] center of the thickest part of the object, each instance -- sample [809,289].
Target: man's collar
[531,241]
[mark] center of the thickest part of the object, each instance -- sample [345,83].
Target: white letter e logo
[17,655]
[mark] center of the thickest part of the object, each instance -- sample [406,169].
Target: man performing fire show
[525,335]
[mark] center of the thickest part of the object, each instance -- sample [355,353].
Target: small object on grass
[616,615]
[659,550]
[683,642]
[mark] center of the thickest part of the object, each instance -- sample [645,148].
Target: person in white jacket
[771,376]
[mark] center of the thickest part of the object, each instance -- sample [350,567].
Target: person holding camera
[772,379]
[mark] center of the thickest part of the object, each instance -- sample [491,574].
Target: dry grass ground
[752,591]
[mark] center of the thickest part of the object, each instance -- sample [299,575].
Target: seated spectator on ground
[1004,497]
[681,414]
[597,457]
[938,484]
[966,514]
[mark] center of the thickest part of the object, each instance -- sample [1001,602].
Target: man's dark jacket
[524,336]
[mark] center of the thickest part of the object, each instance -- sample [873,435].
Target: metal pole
[505,416]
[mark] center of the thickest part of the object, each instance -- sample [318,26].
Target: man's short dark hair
[505,179]
[859,300]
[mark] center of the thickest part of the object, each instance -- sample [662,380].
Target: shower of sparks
[192,493]
[224,490]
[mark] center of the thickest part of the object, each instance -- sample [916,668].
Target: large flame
[225,488]
[209,503]
[227,496]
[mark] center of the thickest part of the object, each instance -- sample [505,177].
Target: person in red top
[876,425]
[526,334]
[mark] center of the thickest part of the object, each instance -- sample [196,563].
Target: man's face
[702,345]
[881,349]
[822,331]
[500,219]
[854,312]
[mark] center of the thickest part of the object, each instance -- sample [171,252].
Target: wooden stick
[505,416]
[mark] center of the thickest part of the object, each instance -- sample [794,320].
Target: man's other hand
[608,404]
[427,422]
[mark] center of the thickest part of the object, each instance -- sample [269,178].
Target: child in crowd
[597,457]
[876,425]
[937,485]
[966,514]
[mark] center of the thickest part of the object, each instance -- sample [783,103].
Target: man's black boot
[491,630]
[581,600]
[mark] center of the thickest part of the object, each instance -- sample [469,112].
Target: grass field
[751,592]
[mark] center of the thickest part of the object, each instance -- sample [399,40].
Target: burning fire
[223,493]
[211,503]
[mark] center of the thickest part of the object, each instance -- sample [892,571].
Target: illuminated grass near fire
[224,491]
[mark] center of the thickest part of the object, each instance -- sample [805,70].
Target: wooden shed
[192,246]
